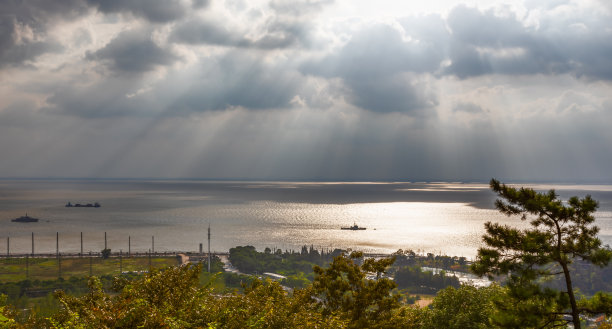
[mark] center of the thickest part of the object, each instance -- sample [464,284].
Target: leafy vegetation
[465,307]
[411,258]
[15,269]
[173,298]
[559,234]
[248,260]
[587,278]
[416,280]
[343,287]
[300,267]
[352,292]
[348,290]
[36,293]
[37,296]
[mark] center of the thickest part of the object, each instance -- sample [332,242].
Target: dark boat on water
[25,219]
[79,205]
[353,228]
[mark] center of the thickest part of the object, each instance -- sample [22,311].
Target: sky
[307,89]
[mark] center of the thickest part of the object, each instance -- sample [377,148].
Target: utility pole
[129,246]
[32,244]
[8,247]
[153,243]
[90,265]
[208,247]
[105,246]
[81,254]
[57,244]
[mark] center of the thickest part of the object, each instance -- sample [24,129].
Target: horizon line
[311,180]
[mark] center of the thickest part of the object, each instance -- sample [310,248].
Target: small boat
[25,219]
[353,228]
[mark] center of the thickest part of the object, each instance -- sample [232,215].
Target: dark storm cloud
[392,94]
[486,43]
[377,51]
[235,79]
[158,11]
[277,34]
[38,13]
[371,66]
[198,31]
[133,51]
[16,46]
[24,25]
[289,25]
[475,43]
[232,80]
[14,51]
[377,61]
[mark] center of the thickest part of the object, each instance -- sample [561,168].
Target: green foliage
[234,280]
[6,320]
[410,258]
[296,281]
[248,260]
[106,253]
[352,292]
[36,296]
[586,277]
[173,299]
[466,307]
[601,302]
[343,287]
[14,269]
[162,299]
[559,233]
[265,304]
[216,265]
[528,304]
[417,281]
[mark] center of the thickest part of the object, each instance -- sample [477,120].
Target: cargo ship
[353,228]
[87,205]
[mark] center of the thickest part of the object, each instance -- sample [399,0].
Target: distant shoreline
[312,180]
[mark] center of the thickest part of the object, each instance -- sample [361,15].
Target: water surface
[443,218]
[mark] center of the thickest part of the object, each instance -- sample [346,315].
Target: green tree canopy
[466,307]
[559,232]
[172,298]
[344,288]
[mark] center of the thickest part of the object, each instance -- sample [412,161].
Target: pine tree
[559,232]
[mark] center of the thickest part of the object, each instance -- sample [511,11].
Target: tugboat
[25,219]
[353,228]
